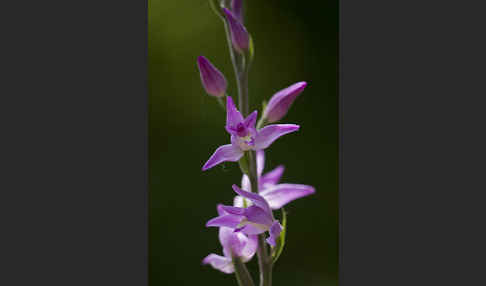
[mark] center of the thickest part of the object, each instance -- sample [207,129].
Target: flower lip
[241,130]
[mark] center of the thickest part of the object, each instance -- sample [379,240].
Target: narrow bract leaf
[262,120]
[264,105]
[277,250]
[251,49]
[244,164]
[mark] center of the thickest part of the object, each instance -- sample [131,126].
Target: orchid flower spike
[212,79]
[235,244]
[281,101]
[244,136]
[239,34]
[253,220]
[277,195]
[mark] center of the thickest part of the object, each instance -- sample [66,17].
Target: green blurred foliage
[294,41]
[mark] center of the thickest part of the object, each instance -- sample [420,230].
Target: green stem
[264,262]
[236,67]
[244,101]
[264,258]
[242,275]
[222,102]
[241,66]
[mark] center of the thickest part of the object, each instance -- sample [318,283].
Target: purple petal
[212,79]
[220,263]
[238,201]
[250,120]
[237,244]
[270,133]
[232,242]
[233,210]
[241,202]
[271,178]
[239,35]
[281,101]
[281,194]
[258,200]
[224,153]
[260,161]
[245,183]
[275,231]
[233,116]
[237,9]
[250,248]
[251,229]
[259,216]
[229,220]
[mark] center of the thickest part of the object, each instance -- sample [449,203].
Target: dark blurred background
[294,41]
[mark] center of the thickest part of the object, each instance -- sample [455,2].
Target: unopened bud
[281,101]
[212,79]
[239,35]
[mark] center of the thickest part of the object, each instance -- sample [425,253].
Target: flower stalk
[264,262]
[241,71]
[243,225]
[241,74]
[241,272]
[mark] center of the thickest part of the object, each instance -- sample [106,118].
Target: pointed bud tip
[296,88]
[202,61]
[227,12]
[302,84]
